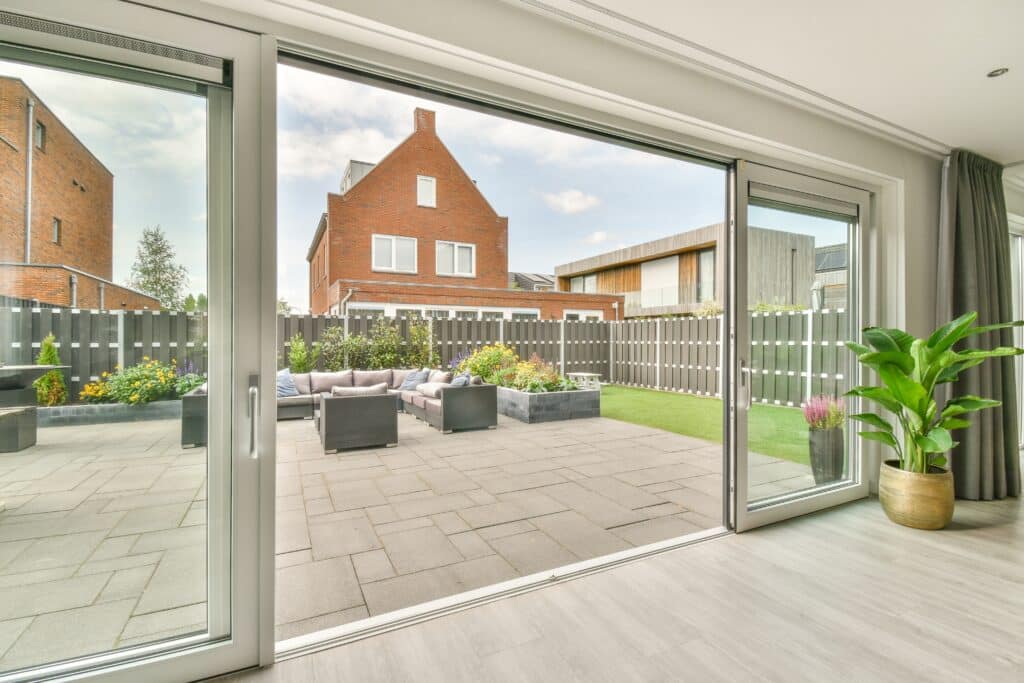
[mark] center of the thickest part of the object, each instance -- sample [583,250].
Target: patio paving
[103,540]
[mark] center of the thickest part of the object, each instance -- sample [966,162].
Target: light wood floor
[841,595]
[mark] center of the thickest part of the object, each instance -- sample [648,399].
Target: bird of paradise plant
[911,369]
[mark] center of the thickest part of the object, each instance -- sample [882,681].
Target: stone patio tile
[37,576]
[64,479]
[372,566]
[318,588]
[56,551]
[698,501]
[137,477]
[358,474]
[179,580]
[315,492]
[450,523]
[304,626]
[431,505]
[186,618]
[290,559]
[174,478]
[350,495]
[288,486]
[342,537]
[598,509]
[381,514]
[126,583]
[23,601]
[414,495]
[292,531]
[397,484]
[81,631]
[17,531]
[293,502]
[56,502]
[654,475]
[470,545]
[620,492]
[659,487]
[320,506]
[9,632]
[579,535]
[403,525]
[532,552]
[448,480]
[411,589]
[506,484]
[534,502]
[493,514]
[703,521]
[196,514]
[531,466]
[709,484]
[669,442]
[399,459]
[115,563]
[418,549]
[509,529]
[141,520]
[481,497]
[113,547]
[654,530]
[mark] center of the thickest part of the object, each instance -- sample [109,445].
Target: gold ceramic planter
[920,501]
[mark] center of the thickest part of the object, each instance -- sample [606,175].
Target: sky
[566,196]
[153,141]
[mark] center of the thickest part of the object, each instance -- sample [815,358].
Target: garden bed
[549,406]
[102,413]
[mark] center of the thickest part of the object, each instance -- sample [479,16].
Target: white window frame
[426,202]
[394,254]
[455,258]
[583,313]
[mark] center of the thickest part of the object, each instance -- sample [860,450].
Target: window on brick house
[56,230]
[455,258]
[40,136]
[394,254]
[426,191]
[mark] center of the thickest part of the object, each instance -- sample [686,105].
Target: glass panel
[576,284]
[798,287]
[466,315]
[105,537]
[445,258]
[405,254]
[590,283]
[382,252]
[492,315]
[465,260]
[706,271]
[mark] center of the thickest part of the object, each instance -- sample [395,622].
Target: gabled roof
[320,228]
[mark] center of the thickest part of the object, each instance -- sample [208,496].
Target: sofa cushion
[476,380]
[432,406]
[398,376]
[323,381]
[301,380]
[407,394]
[414,379]
[299,400]
[374,390]
[461,380]
[285,384]
[367,378]
[419,400]
[198,391]
[432,389]
[444,376]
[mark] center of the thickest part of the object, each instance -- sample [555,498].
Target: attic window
[39,136]
[426,191]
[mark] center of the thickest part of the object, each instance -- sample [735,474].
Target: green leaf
[888,339]
[982,329]
[858,349]
[881,437]
[879,395]
[971,403]
[905,390]
[901,360]
[954,423]
[983,354]
[942,438]
[950,333]
[937,460]
[873,420]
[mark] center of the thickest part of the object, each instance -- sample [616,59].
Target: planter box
[102,413]
[549,407]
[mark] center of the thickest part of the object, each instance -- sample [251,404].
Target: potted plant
[825,416]
[916,488]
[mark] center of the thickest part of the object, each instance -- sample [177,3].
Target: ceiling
[918,66]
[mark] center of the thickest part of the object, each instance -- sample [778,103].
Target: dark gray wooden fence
[793,355]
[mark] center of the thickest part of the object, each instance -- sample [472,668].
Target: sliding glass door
[129,502]
[798,296]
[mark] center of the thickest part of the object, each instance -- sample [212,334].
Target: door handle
[254,416]
[745,385]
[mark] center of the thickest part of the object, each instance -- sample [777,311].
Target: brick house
[56,212]
[413,233]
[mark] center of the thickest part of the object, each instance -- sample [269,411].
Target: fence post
[611,351]
[501,331]
[809,350]
[120,338]
[657,353]
[561,345]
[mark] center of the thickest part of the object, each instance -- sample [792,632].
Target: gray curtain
[974,275]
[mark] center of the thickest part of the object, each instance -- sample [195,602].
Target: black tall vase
[827,450]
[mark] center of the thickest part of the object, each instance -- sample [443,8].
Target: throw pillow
[285,384]
[414,379]
[374,390]
[432,389]
[462,380]
[440,376]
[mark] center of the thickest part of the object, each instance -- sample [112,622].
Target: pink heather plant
[824,412]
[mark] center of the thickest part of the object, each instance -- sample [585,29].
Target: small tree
[385,345]
[418,352]
[50,388]
[156,271]
[302,358]
[283,307]
[201,302]
[190,303]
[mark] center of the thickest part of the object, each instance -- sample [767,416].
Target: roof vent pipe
[29,148]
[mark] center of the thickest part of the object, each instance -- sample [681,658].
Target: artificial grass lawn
[773,430]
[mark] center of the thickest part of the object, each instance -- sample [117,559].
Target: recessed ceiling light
[994,73]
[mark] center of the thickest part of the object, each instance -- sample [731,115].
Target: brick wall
[51,285]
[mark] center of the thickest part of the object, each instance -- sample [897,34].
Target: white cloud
[570,201]
[310,154]
[596,237]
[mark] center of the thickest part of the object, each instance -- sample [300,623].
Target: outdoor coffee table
[586,380]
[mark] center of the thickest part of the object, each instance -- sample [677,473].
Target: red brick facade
[72,222]
[67,287]
[385,202]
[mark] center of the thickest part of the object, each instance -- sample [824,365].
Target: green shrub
[340,352]
[50,388]
[418,351]
[500,365]
[386,347]
[488,360]
[302,358]
[148,381]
